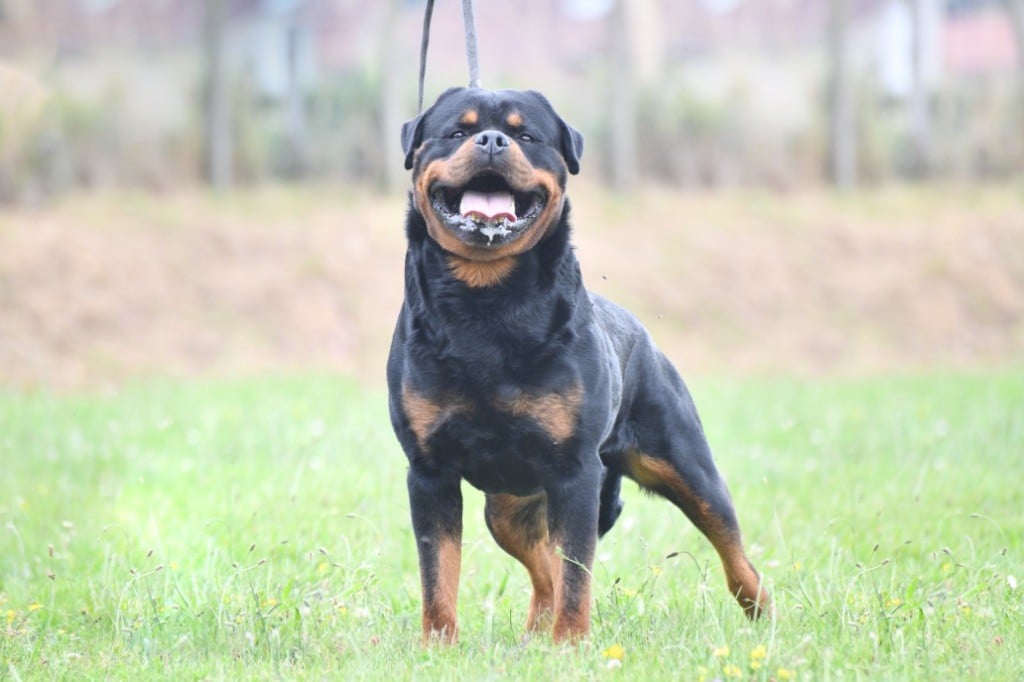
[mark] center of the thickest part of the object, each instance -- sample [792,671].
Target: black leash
[469,27]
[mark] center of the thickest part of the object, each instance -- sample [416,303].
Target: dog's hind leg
[692,483]
[670,456]
[520,527]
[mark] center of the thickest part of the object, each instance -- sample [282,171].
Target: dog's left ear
[412,137]
[572,139]
[572,146]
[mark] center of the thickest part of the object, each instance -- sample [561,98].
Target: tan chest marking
[556,413]
[425,414]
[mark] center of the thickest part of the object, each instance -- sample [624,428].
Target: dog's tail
[611,501]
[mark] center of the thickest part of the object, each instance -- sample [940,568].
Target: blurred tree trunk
[648,43]
[392,176]
[622,108]
[842,143]
[295,99]
[920,123]
[217,149]
[1015,8]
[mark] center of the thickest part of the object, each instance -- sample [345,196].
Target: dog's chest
[502,441]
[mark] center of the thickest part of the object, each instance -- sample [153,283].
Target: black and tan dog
[504,371]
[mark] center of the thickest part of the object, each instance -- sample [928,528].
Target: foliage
[119,129]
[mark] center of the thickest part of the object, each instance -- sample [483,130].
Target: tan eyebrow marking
[514,119]
[469,118]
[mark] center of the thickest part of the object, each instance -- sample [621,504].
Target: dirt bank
[111,287]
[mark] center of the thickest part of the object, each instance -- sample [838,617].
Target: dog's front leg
[435,500]
[572,529]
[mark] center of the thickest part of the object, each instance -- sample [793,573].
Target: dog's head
[489,170]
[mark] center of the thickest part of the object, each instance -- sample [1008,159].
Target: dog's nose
[492,142]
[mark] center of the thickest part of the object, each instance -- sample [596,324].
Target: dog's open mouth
[487,211]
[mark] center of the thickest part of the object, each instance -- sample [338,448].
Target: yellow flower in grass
[785,674]
[35,606]
[615,652]
[731,670]
[721,651]
[11,613]
[757,656]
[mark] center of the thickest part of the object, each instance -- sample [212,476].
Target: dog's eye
[526,137]
[457,135]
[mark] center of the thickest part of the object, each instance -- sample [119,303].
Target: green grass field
[259,529]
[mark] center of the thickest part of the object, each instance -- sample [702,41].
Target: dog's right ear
[412,137]
[412,131]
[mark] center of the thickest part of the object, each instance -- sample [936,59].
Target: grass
[259,529]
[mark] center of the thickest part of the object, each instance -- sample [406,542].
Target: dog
[506,372]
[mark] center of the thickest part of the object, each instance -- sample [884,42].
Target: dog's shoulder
[623,329]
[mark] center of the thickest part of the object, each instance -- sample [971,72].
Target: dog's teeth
[491,230]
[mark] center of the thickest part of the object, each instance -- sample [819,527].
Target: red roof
[978,43]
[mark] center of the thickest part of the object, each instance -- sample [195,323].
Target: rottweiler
[506,372]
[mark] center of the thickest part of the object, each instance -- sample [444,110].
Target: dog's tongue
[489,205]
